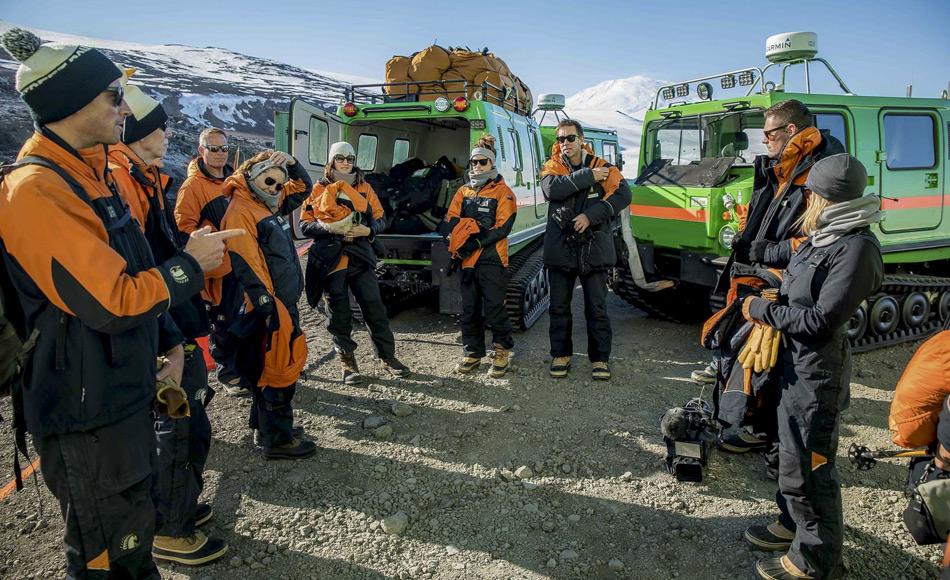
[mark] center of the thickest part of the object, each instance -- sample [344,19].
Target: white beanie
[341,148]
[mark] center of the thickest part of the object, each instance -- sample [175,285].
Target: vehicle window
[678,140]
[610,152]
[909,141]
[833,123]
[400,151]
[689,140]
[319,141]
[515,143]
[366,152]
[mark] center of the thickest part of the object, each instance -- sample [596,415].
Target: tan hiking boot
[468,364]
[194,550]
[559,366]
[351,370]
[500,363]
[600,371]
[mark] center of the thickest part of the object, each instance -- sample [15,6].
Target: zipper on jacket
[60,359]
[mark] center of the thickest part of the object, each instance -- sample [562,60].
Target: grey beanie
[838,178]
[340,148]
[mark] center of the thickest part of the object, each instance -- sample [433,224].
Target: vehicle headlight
[441,104]
[726,235]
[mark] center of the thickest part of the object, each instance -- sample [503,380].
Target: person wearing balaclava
[825,279]
[95,301]
[477,224]
[343,216]
[264,192]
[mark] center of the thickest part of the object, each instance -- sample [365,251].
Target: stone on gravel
[451,550]
[396,524]
[400,409]
[548,526]
[552,563]
[524,472]
[568,555]
[384,432]
[236,562]
[615,565]
[374,421]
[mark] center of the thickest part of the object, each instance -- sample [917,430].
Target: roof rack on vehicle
[785,49]
[410,91]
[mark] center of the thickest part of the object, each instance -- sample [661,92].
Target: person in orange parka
[478,222]
[201,202]
[183,442]
[272,350]
[920,417]
[343,217]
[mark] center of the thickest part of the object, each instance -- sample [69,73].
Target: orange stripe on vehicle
[669,213]
[915,202]
[9,487]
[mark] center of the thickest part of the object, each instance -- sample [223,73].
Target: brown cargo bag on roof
[397,71]
[454,84]
[429,64]
[498,65]
[470,64]
[431,92]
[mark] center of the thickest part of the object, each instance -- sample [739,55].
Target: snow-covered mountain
[211,86]
[617,104]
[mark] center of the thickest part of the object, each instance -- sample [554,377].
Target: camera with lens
[690,433]
[564,218]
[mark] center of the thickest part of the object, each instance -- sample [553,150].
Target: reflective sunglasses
[271,182]
[568,138]
[118,94]
[771,132]
[218,148]
[482,162]
[341,158]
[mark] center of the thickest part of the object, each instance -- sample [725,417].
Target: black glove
[470,245]
[740,250]
[758,249]
[454,265]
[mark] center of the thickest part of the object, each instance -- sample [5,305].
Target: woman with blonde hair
[825,279]
[343,216]
[477,224]
[264,191]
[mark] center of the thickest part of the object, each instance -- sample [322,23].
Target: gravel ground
[524,477]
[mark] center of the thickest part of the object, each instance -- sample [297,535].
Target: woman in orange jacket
[478,222]
[343,216]
[264,191]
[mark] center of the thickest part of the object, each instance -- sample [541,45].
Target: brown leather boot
[351,370]
[500,362]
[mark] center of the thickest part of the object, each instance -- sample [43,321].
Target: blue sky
[877,46]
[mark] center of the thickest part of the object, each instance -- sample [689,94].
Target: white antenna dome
[791,46]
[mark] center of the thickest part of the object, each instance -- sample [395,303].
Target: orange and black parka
[268,268]
[921,394]
[143,187]
[86,280]
[489,212]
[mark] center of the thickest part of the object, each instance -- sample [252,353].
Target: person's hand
[600,173]
[359,231]
[758,249]
[470,245]
[581,223]
[264,304]
[740,250]
[282,159]
[172,365]
[207,247]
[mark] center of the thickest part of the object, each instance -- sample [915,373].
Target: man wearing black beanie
[89,293]
[183,442]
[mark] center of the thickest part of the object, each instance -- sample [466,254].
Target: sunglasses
[341,158]
[218,148]
[271,182]
[481,162]
[568,138]
[118,94]
[769,134]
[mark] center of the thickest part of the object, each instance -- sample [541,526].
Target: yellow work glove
[172,400]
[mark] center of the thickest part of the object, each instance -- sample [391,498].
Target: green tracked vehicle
[695,169]
[386,130]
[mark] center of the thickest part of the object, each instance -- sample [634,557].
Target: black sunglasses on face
[341,158]
[118,94]
[482,162]
[769,134]
[270,182]
[217,148]
[568,138]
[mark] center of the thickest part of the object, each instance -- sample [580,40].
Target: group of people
[114,387]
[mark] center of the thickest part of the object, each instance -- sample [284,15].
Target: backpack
[16,347]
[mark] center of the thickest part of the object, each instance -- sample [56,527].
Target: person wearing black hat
[825,279]
[183,443]
[93,298]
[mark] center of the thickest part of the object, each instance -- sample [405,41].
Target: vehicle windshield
[689,140]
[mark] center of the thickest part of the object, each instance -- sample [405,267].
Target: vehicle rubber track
[527,296]
[916,317]
[679,304]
